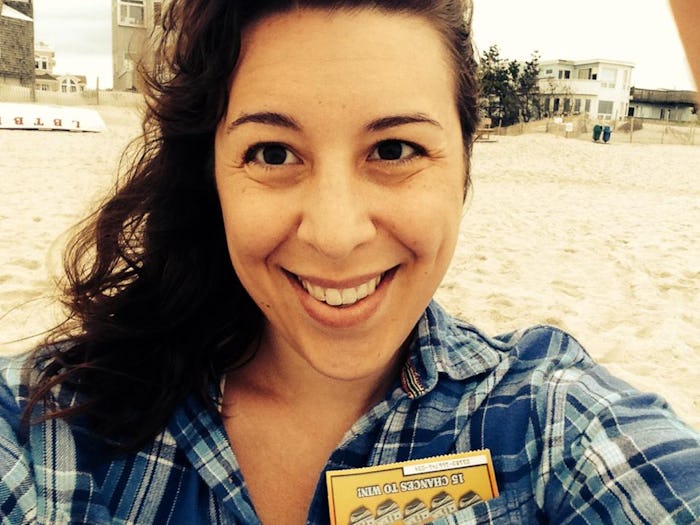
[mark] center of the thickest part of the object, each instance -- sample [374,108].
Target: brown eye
[393,150]
[271,155]
[274,154]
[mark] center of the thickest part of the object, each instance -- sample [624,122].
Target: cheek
[255,224]
[430,218]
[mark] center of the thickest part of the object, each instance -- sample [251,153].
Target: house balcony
[664,96]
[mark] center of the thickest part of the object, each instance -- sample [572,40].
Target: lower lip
[348,316]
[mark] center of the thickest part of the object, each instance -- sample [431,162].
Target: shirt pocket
[509,508]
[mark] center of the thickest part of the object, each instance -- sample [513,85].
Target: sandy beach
[600,240]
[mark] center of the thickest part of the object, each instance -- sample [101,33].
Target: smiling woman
[252,308]
[305,188]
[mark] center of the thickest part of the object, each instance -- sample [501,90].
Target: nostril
[336,235]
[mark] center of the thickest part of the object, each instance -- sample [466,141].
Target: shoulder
[567,383]
[596,445]
[529,345]
[538,354]
[18,373]
[17,488]
[543,343]
[604,446]
[15,373]
[602,437]
[462,351]
[568,393]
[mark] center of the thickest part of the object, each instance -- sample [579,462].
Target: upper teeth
[341,296]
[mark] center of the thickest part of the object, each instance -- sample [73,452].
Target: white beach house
[598,88]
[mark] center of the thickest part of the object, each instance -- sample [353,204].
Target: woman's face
[339,166]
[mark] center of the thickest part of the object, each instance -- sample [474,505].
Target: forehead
[344,56]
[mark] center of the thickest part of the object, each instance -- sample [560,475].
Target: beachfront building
[68,83]
[47,80]
[597,88]
[664,104]
[16,43]
[132,22]
[44,62]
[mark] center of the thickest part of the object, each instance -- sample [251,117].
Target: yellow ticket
[410,492]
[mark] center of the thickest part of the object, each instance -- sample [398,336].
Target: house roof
[45,76]
[661,96]
[8,12]
[80,78]
[577,63]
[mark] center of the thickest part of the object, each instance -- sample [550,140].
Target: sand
[600,240]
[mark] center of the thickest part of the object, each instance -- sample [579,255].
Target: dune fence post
[631,129]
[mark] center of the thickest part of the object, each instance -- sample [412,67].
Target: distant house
[132,22]
[44,62]
[17,42]
[47,80]
[597,88]
[663,104]
[68,83]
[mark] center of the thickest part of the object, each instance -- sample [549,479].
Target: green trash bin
[597,130]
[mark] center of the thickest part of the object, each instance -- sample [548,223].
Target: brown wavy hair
[156,310]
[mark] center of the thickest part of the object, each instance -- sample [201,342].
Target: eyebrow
[266,117]
[393,121]
[285,121]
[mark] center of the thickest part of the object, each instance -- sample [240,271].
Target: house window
[577,105]
[68,85]
[607,77]
[41,63]
[587,105]
[547,71]
[131,13]
[564,73]
[605,107]
[585,74]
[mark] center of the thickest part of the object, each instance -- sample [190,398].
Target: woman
[253,305]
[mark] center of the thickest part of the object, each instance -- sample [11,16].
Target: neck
[282,376]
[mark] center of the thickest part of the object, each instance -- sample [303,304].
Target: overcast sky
[637,31]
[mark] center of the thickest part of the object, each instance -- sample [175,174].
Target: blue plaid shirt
[570,443]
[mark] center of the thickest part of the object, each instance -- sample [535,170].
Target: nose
[336,213]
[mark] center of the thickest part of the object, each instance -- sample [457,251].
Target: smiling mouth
[341,296]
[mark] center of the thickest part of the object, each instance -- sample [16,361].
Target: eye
[393,150]
[271,154]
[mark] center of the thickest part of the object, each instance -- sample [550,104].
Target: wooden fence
[630,130]
[89,97]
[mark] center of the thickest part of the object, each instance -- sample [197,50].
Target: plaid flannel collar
[443,344]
